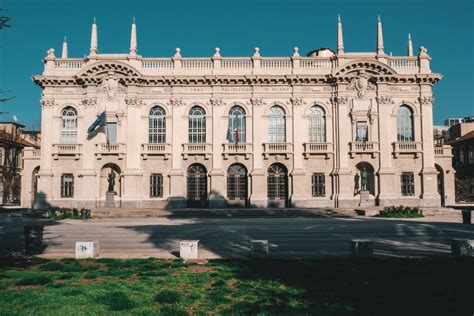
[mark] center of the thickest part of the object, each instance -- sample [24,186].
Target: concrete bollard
[462,247]
[87,249]
[259,248]
[189,249]
[362,248]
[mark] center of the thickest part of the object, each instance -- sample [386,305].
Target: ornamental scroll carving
[177,102]
[216,102]
[47,102]
[385,100]
[340,100]
[361,83]
[426,100]
[134,102]
[89,102]
[257,101]
[296,101]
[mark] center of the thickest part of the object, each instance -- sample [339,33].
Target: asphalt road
[230,237]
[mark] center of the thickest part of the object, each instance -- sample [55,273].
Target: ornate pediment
[368,66]
[101,68]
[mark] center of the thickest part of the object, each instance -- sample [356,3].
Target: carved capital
[385,100]
[216,102]
[257,101]
[426,100]
[296,101]
[177,102]
[134,102]
[89,102]
[47,102]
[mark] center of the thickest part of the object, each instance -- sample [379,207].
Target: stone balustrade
[66,150]
[31,153]
[443,151]
[156,150]
[230,149]
[110,149]
[359,147]
[285,149]
[407,148]
[204,149]
[317,149]
[234,65]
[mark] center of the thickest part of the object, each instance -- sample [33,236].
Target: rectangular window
[408,184]
[318,185]
[361,132]
[156,185]
[111,133]
[67,185]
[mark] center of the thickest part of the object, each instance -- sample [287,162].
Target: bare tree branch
[4,21]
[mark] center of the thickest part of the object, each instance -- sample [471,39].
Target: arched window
[277,182]
[197,125]
[197,185]
[317,125]
[405,124]
[236,132]
[157,126]
[237,182]
[277,125]
[69,126]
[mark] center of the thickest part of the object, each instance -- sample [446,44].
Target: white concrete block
[259,248]
[87,249]
[189,249]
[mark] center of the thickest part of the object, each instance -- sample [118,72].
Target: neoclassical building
[301,131]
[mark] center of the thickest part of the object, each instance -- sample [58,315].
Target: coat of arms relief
[111,85]
[361,83]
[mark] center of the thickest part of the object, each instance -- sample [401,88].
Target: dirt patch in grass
[22,287]
[199,269]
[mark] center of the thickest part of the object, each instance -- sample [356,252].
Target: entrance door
[197,186]
[277,185]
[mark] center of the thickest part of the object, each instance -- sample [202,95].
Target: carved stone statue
[363,179]
[361,84]
[111,180]
[110,85]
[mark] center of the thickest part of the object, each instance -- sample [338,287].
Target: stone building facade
[254,131]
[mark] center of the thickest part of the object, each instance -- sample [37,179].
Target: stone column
[258,188]
[218,132]
[177,196]
[299,129]
[430,194]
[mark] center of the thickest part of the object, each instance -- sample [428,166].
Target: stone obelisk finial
[410,46]
[133,39]
[379,37]
[340,41]
[64,52]
[93,50]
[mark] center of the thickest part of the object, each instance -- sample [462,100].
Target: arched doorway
[197,186]
[364,167]
[277,185]
[237,187]
[110,178]
[440,178]
[34,185]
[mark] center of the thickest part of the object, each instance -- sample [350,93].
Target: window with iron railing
[156,185]
[67,185]
[318,185]
[407,184]
[237,182]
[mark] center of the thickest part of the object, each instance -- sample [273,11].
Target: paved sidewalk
[229,237]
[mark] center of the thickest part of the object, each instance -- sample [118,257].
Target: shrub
[168,296]
[400,211]
[37,280]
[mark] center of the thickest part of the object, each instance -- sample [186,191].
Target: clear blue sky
[276,26]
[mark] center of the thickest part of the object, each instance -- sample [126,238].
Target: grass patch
[234,287]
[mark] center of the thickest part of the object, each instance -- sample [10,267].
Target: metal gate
[197,186]
[277,183]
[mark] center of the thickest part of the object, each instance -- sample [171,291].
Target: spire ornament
[64,51]
[340,41]
[379,37]
[94,47]
[133,39]
[410,46]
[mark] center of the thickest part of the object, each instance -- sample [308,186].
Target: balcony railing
[110,149]
[406,148]
[67,150]
[285,149]
[156,150]
[443,151]
[358,147]
[317,149]
[197,149]
[244,149]
[31,153]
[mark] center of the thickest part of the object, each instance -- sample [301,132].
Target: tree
[12,143]
[4,23]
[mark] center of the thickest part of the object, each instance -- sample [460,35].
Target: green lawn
[437,286]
